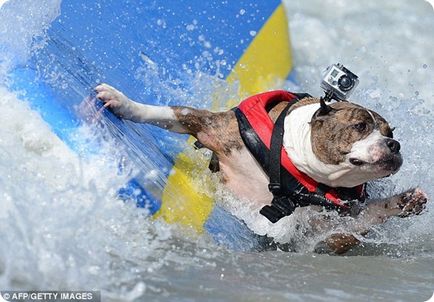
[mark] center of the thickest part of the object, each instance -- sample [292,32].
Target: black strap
[281,205]
[276,152]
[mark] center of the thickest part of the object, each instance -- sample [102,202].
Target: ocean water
[62,227]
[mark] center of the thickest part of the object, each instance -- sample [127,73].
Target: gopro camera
[338,82]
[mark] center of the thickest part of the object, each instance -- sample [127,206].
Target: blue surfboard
[152,50]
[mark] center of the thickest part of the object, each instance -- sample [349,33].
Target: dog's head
[348,135]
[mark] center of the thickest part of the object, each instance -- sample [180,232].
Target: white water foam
[62,226]
[21,22]
[2,2]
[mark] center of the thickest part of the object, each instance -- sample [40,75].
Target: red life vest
[256,129]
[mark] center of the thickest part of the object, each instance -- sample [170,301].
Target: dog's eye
[360,127]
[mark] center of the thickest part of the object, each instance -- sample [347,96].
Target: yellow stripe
[187,200]
[268,59]
[264,64]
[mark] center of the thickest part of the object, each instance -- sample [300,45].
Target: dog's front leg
[408,203]
[211,129]
[162,116]
[185,120]
[411,202]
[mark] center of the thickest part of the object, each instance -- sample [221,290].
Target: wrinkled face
[352,135]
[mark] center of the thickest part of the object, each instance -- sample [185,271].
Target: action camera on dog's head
[338,82]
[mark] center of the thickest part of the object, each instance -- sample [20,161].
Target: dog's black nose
[393,145]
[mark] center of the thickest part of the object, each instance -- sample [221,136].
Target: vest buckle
[280,207]
[274,188]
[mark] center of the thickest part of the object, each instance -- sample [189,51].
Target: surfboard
[156,52]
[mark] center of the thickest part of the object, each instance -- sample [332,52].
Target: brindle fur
[334,134]
[216,131]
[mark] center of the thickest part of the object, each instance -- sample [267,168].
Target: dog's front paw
[112,98]
[412,202]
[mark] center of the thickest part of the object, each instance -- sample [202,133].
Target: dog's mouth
[357,162]
[390,163]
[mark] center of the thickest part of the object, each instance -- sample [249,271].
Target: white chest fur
[298,145]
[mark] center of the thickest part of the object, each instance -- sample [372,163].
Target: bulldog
[329,153]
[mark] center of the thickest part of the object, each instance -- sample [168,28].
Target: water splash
[21,23]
